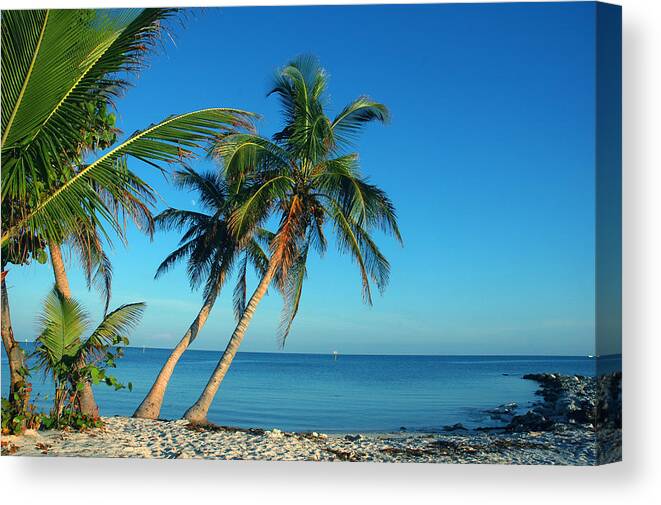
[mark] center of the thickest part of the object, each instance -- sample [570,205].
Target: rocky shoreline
[560,429]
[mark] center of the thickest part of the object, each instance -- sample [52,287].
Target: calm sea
[302,392]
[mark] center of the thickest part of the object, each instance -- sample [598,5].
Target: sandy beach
[136,438]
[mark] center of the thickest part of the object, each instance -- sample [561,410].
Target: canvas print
[384,233]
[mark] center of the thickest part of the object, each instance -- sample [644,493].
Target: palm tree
[86,240]
[98,270]
[73,360]
[211,253]
[307,179]
[55,63]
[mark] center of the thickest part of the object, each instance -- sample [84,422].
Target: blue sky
[489,159]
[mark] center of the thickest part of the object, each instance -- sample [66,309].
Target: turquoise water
[315,392]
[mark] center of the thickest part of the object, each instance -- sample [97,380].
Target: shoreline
[558,430]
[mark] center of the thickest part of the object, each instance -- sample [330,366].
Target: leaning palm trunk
[150,408]
[15,356]
[88,404]
[198,412]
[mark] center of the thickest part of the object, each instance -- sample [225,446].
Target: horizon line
[330,353]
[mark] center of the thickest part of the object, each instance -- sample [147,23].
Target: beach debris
[7,447]
[344,455]
[42,447]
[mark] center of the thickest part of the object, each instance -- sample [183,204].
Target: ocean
[313,392]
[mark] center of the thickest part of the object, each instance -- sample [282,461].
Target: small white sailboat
[335,355]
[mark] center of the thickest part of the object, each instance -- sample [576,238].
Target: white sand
[123,437]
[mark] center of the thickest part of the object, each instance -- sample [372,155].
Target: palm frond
[255,251]
[115,324]
[347,241]
[177,219]
[166,142]
[292,291]
[239,295]
[88,246]
[179,254]
[366,203]
[300,85]
[349,122]
[54,62]
[243,155]
[209,186]
[62,324]
[258,201]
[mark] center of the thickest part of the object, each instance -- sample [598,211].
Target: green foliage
[307,178]
[73,360]
[69,418]
[210,251]
[18,414]
[61,70]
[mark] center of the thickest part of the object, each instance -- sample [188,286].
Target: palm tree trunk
[15,355]
[198,412]
[61,280]
[88,404]
[150,408]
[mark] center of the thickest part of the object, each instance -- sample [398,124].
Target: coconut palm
[86,240]
[307,179]
[73,360]
[211,253]
[55,63]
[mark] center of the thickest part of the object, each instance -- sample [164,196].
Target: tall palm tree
[55,63]
[211,253]
[307,178]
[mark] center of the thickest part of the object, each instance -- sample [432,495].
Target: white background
[636,480]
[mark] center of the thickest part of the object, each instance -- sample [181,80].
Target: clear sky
[489,159]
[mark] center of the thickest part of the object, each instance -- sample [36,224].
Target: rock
[503,412]
[31,433]
[573,401]
[506,408]
[353,438]
[455,427]
[530,421]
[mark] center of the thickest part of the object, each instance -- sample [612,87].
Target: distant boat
[335,355]
[143,349]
